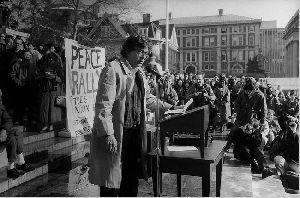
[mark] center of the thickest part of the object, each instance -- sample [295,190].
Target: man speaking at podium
[119,138]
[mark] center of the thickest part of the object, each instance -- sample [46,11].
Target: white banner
[83,68]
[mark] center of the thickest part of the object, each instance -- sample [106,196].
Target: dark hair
[250,84]
[133,42]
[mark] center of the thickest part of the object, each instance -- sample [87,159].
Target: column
[295,59]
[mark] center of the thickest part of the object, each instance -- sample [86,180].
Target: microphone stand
[157,137]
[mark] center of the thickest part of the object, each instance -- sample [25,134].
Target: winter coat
[222,103]
[115,84]
[245,106]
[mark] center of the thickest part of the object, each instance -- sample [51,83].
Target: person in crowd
[35,54]
[179,88]
[214,82]
[2,43]
[8,59]
[273,125]
[41,49]
[23,77]
[271,99]
[250,104]
[118,141]
[291,106]
[9,39]
[222,102]
[13,140]
[243,79]
[49,75]
[285,154]
[167,92]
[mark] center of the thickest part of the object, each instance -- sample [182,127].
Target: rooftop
[210,20]
[268,24]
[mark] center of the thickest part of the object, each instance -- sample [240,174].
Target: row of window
[210,41]
[211,56]
[213,30]
[235,69]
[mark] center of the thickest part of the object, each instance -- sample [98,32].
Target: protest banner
[83,68]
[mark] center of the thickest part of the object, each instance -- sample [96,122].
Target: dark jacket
[5,119]
[246,105]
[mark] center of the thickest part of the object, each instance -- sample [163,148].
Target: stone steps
[45,152]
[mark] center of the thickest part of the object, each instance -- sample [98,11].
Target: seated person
[274,129]
[285,153]
[248,143]
[14,145]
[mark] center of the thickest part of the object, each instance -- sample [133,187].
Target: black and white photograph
[149,98]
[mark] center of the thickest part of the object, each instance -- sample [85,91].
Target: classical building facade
[216,44]
[292,47]
[272,46]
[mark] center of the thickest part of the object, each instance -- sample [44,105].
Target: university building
[292,47]
[272,46]
[216,44]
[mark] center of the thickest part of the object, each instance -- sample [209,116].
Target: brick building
[291,61]
[215,44]
[273,48]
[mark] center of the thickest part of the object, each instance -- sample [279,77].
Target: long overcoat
[115,83]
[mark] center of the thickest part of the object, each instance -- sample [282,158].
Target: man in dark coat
[250,104]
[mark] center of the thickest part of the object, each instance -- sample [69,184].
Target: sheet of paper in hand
[180,111]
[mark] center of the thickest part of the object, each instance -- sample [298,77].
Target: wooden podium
[199,162]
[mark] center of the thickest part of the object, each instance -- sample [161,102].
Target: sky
[267,10]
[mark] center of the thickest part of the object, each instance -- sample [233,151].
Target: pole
[167,37]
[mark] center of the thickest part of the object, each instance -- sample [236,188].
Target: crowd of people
[260,117]
[263,120]
[35,75]
[30,82]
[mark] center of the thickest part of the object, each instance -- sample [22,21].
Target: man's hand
[3,135]
[111,143]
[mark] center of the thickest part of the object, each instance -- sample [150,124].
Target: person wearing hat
[291,106]
[250,104]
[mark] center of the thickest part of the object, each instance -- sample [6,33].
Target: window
[143,31]
[184,32]
[209,41]
[237,40]
[211,67]
[223,30]
[223,56]
[188,31]
[213,30]
[193,31]
[212,56]
[191,57]
[191,42]
[206,41]
[251,55]
[178,32]
[237,55]
[240,40]
[251,40]
[197,31]
[206,56]
[223,40]
[212,41]
[206,67]
[251,28]
[236,29]
[104,31]
[206,30]
[178,40]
